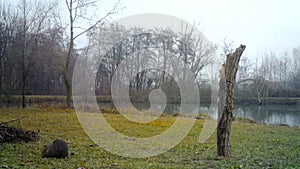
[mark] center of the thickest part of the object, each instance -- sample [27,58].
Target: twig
[17,119]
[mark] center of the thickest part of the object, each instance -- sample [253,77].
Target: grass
[253,145]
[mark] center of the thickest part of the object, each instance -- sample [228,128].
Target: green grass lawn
[253,145]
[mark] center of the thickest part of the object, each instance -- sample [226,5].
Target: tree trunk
[67,79]
[222,91]
[68,88]
[23,91]
[226,110]
[24,76]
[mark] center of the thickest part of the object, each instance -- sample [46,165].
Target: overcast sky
[262,25]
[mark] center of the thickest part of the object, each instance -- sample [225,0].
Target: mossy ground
[253,145]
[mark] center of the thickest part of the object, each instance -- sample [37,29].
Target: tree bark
[66,77]
[24,45]
[224,125]
[221,92]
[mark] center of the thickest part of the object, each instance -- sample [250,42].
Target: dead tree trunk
[226,107]
[221,94]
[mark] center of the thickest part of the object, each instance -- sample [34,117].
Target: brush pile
[13,134]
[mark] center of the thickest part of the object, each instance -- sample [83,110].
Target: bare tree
[196,50]
[226,47]
[45,77]
[77,10]
[161,48]
[244,73]
[260,89]
[295,74]
[8,19]
[33,15]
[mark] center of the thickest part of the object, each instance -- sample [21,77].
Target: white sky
[262,25]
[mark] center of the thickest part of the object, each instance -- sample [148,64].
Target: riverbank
[48,100]
[253,145]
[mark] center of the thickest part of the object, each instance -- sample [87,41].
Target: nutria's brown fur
[58,149]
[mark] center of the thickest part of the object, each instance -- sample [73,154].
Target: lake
[271,114]
[268,114]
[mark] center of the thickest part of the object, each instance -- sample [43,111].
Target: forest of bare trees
[271,76]
[38,53]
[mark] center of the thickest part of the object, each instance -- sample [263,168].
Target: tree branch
[93,26]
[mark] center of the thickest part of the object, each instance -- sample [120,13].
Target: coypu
[58,149]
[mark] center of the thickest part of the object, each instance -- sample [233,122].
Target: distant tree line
[38,54]
[162,49]
[271,76]
[31,50]
[35,57]
[37,47]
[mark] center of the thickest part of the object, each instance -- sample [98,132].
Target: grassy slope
[253,145]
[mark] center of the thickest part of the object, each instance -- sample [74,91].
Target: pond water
[269,114]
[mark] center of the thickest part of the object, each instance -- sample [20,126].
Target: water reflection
[275,114]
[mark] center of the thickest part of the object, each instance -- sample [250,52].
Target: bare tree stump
[226,101]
